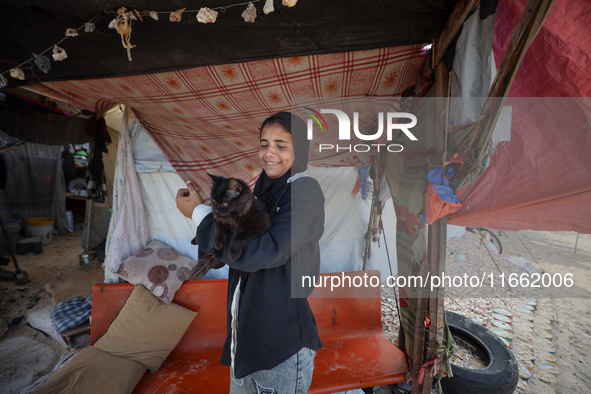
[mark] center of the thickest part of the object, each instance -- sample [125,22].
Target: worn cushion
[94,371]
[158,267]
[146,329]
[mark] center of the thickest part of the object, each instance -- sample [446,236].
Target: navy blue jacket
[274,320]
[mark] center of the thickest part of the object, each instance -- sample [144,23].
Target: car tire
[500,376]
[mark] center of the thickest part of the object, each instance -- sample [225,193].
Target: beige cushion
[158,267]
[146,329]
[94,371]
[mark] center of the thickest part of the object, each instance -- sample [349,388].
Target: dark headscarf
[266,188]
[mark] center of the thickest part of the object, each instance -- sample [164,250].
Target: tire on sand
[500,376]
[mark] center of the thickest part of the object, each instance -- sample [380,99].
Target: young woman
[271,332]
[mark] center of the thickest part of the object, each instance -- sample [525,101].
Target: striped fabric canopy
[206,119]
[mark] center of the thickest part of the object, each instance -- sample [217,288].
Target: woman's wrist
[200,212]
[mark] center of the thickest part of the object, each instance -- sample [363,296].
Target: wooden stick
[437,235]
[452,26]
[419,346]
[8,149]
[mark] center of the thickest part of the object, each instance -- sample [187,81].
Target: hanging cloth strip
[95,176]
[440,199]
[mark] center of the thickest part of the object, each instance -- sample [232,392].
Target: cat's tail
[206,262]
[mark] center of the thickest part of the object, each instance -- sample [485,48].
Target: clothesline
[128,17]
[92,20]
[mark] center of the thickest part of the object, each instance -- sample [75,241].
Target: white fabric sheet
[474,67]
[343,242]
[165,222]
[128,229]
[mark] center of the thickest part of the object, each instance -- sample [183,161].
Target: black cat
[235,209]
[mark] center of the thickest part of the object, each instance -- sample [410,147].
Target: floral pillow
[158,267]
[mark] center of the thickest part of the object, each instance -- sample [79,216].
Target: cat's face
[229,195]
[276,150]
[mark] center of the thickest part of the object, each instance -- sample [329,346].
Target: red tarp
[541,180]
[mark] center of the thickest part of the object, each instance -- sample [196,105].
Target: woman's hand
[188,199]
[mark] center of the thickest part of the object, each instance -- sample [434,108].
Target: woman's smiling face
[276,150]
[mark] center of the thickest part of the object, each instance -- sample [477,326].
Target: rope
[92,20]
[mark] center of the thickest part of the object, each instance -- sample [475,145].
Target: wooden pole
[452,27]
[419,345]
[367,249]
[431,303]
[437,237]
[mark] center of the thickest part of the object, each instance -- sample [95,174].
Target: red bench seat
[356,354]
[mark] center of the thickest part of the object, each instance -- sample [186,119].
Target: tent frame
[428,340]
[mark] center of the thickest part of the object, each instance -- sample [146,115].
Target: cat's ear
[216,179]
[235,186]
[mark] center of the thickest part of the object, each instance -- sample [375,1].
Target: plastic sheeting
[474,69]
[541,180]
[36,185]
[146,153]
[23,360]
[343,242]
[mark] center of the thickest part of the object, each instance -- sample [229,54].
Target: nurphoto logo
[393,121]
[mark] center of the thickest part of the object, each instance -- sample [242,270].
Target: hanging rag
[440,199]
[363,183]
[95,175]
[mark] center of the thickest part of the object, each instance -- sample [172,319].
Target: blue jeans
[293,376]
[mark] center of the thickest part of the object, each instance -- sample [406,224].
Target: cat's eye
[225,204]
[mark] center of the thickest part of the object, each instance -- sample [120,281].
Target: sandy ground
[55,275]
[554,252]
[552,343]
[562,324]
